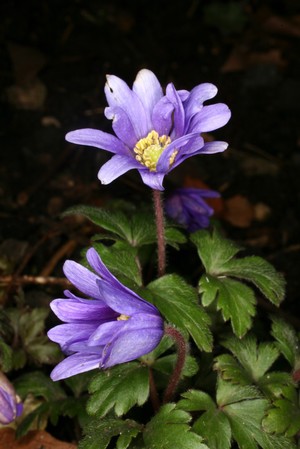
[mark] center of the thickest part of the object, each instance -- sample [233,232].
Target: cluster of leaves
[234,391]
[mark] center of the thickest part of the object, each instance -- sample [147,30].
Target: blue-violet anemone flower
[187,207]
[155,132]
[114,326]
[10,404]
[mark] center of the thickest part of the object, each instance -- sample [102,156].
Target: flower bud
[10,404]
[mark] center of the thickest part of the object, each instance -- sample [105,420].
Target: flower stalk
[160,232]
[181,356]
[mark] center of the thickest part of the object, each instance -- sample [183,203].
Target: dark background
[54,56]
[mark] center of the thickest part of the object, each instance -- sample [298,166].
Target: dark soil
[55,55]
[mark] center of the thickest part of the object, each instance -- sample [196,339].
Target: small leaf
[121,259]
[120,387]
[6,356]
[284,417]
[98,433]
[235,300]
[113,221]
[177,301]
[39,385]
[214,250]
[287,341]
[169,429]
[195,400]
[215,429]
[230,369]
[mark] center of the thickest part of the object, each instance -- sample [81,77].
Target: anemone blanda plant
[113,327]
[187,206]
[10,403]
[154,132]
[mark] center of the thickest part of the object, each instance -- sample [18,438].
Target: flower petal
[213,147]
[82,278]
[162,116]
[122,126]
[149,91]
[119,94]
[64,334]
[115,167]
[105,332]
[163,164]
[194,102]
[152,179]
[130,345]
[210,118]
[75,364]
[179,115]
[123,302]
[72,311]
[98,139]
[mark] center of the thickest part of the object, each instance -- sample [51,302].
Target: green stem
[181,356]
[160,232]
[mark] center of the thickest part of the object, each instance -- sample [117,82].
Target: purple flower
[154,132]
[10,403]
[113,327]
[187,207]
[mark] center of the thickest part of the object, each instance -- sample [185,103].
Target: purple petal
[98,139]
[19,410]
[130,345]
[82,278]
[179,115]
[115,167]
[149,91]
[152,179]
[194,102]
[64,334]
[122,126]
[162,116]
[75,364]
[213,147]
[210,118]
[119,94]
[72,311]
[163,164]
[105,332]
[124,302]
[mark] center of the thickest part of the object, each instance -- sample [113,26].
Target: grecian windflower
[188,207]
[154,132]
[114,326]
[10,404]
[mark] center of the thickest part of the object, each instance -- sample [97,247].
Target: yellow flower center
[123,317]
[149,149]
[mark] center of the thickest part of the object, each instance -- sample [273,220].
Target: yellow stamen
[149,149]
[123,317]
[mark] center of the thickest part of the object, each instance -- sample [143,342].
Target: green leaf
[215,429]
[169,429]
[256,359]
[235,300]
[114,221]
[283,417]
[261,273]
[230,369]
[217,255]
[174,237]
[120,387]
[214,250]
[39,385]
[38,415]
[98,433]
[287,341]
[178,302]
[6,356]
[121,259]
[195,400]
[166,365]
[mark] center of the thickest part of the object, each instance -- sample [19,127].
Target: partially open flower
[10,403]
[188,207]
[113,327]
[155,132]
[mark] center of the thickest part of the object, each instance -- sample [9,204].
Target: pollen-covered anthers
[123,317]
[149,149]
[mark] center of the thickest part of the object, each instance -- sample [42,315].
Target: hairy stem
[160,232]
[181,356]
